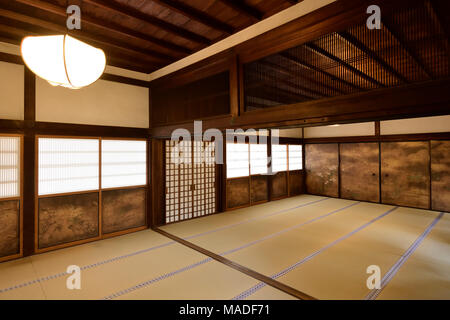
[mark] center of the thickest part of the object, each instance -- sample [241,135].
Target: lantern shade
[63,60]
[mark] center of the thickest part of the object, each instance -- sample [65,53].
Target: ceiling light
[63,60]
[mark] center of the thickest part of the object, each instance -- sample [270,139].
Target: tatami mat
[320,246]
[111,269]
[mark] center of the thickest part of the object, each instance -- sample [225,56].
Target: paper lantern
[63,60]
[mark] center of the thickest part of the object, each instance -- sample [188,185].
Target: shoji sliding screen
[10,197]
[88,188]
[123,185]
[247,169]
[190,179]
[295,169]
[68,191]
[279,181]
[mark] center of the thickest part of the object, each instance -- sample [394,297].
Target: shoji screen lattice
[295,157]
[190,180]
[237,160]
[68,165]
[204,178]
[186,190]
[279,157]
[258,158]
[9,167]
[124,163]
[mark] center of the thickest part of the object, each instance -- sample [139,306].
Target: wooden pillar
[29,164]
[158,184]
[304,160]
[235,75]
[269,166]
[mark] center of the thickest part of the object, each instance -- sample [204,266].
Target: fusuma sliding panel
[440,175]
[68,165]
[360,171]
[123,209]
[9,227]
[322,163]
[124,163]
[405,173]
[64,219]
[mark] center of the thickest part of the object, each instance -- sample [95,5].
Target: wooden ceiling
[141,35]
[413,45]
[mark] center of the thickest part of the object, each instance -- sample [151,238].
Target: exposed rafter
[293,91]
[241,7]
[341,62]
[306,92]
[108,26]
[99,41]
[437,15]
[196,15]
[360,46]
[14,35]
[292,74]
[306,65]
[403,43]
[121,9]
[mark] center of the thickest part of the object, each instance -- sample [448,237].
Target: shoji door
[190,180]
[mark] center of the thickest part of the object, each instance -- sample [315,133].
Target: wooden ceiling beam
[312,47]
[436,14]
[196,15]
[109,26]
[307,92]
[372,55]
[304,64]
[149,19]
[292,74]
[403,43]
[292,92]
[268,92]
[241,7]
[15,35]
[100,41]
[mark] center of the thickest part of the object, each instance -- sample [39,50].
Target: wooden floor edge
[256,275]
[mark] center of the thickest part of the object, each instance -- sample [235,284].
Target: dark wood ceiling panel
[411,46]
[153,32]
[270,7]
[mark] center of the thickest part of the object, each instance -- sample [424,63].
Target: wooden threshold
[256,275]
